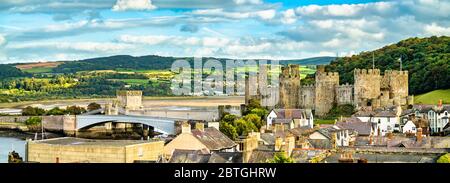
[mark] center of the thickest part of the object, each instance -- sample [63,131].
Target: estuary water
[8,144]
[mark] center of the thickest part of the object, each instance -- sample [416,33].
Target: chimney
[278,143]
[287,113]
[186,127]
[200,126]
[419,135]
[289,144]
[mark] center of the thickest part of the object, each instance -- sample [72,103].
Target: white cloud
[2,40]
[288,17]
[123,5]
[219,12]
[437,30]
[75,46]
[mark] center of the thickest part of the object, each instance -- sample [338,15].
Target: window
[413,128]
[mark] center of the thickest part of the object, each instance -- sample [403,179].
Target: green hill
[426,59]
[9,71]
[433,97]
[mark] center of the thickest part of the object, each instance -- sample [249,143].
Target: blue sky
[51,30]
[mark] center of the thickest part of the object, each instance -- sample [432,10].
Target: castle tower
[326,83]
[397,83]
[130,99]
[367,87]
[290,87]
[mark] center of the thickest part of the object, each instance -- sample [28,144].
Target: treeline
[426,59]
[72,110]
[9,71]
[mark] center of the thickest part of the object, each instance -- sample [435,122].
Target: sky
[60,30]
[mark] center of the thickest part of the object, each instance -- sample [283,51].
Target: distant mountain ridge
[154,62]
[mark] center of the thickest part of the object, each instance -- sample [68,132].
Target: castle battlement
[346,85]
[395,73]
[308,86]
[328,74]
[290,71]
[129,93]
[367,72]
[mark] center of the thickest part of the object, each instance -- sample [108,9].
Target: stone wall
[307,96]
[290,87]
[344,94]
[397,82]
[14,119]
[367,86]
[131,100]
[326,83]
[49,153]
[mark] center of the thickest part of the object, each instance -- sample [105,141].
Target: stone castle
[370,89]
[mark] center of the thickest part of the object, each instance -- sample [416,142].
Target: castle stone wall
[367,86]
[344,94]
[326,83]
[307,96]
[290,87]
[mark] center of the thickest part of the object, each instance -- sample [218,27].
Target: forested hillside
[426,59]
[8,71]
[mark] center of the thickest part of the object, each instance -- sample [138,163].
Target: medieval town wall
[326,83]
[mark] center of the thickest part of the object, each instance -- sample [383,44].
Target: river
[7,144]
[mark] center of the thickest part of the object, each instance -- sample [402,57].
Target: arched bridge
[162,125]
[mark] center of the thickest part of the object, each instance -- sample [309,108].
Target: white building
[387,121]
[341,136]
[438,118]
[409,127]
[300,117]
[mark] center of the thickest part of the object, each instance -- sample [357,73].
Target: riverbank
[26,135]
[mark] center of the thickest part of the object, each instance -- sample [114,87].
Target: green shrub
[444,158]
[33,121]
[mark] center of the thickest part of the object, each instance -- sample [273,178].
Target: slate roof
[282,121]
[259,156]
[226,157]
[363,128]
[301,131]
[304,155]
[268,138]
[320,143]
[363,113]
[213,139]
[189,156]
[293,113]
[385,114]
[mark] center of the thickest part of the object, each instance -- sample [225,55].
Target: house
[329,138]
[205,139]
[409,127]
[438,118]
[199,156]
[361,128]
[290,118]
[387,120]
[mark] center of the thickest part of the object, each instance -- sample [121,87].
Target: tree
[33,111]
[444,158]
[228,130]
[281,158]
[93,106]
[75,110]
[56,111]
[32,121]
[244,127]
[255,119]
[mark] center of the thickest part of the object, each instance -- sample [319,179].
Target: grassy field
[36,70]
[433,97]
